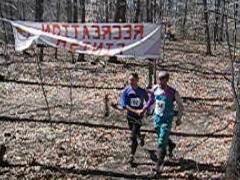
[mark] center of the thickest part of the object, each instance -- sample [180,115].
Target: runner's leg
[140,136]
[2,153]
[133,146]
[171,147]
[134,135]
[163,132]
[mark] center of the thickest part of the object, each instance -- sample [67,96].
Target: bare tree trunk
[233,163]
[150,63]
[83,10]
[150,73]
[58,5]
[10,8]
[161,6]
[39,18]
[222,20]
[215,35]
[69,11]
[138,8]
[75,11]
[151,9]
[106,11]
[120,13]
[106,103]
[3,24]
[83,20]
[155,10]
[155,71]
[39,10]
[23,11]
[39,69]
[185,19]
[119,17]
[207,31]
[148,8]
[75,20]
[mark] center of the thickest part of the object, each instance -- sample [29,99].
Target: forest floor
[80,142]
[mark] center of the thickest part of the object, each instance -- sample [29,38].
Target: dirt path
[82,143]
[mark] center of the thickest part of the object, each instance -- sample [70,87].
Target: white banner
[123,40]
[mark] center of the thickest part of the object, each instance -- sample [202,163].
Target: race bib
[160,107]
[135,102]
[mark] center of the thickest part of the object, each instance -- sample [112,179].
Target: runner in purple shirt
[136,101]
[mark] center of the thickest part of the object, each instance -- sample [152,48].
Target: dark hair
[135,75]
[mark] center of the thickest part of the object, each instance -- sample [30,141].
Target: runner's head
[163,78]
[133,79]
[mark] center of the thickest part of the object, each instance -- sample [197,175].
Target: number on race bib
[135,102]
[160,107]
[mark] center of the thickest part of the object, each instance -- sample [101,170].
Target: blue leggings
[163,132]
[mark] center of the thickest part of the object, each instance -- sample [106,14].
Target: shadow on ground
[184,164]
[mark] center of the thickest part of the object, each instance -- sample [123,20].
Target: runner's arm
[179,104]
[149,98]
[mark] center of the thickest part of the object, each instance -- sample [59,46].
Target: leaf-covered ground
[79,142]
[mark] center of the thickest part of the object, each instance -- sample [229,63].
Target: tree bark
[75,20]
[155,10]
[222,20]
[216,34]
[185,19]
[83,11]
[138,8]
[148,9]
[161,6]
[58,6]
[119,17]
[3,24]
[233,163]
[106,11]
[75,11]
[11,15]
[23,15]
[83,20]
[207,31]
[39,18]
[150,73]
[39,10]
[120,12]
[69,11]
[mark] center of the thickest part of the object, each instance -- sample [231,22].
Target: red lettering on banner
[56,29]
[46,28]
[107,32]
[76,29]
[73,47]
[119,33]
[86,47]
[109,45]
[139,31]
[121,45]
[97,31]
[97,46]
[65,26]
[85,32]
[61,43]
[128,28]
